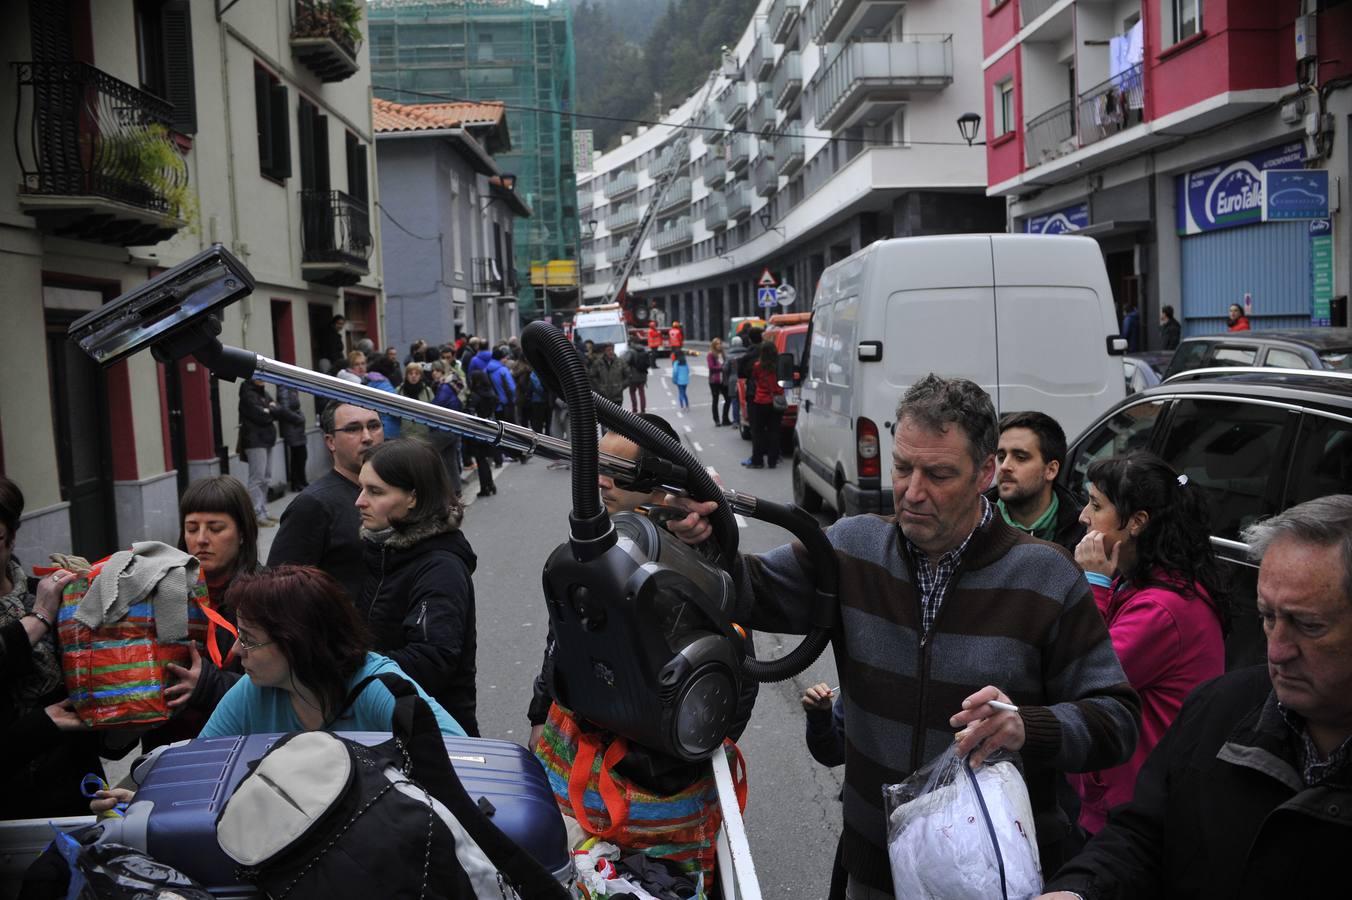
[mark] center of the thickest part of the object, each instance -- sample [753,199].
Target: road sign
[767,297]
[766,279]
[786,294]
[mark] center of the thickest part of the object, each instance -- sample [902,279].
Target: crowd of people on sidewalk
[993,609]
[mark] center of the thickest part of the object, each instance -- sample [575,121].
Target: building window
[1004,107]
[274,129]
[164,57]
[1183,19]
[357,184]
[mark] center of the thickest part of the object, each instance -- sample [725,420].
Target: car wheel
[803,495]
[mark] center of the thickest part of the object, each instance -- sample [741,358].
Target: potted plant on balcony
[144,165]
[339,20]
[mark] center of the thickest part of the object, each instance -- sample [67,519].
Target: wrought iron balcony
[738,199]
[622,218]
[677,195]
[1112,106]
[675,233]
[96,159]
[783,18]
[623,183]
[761,62]
[715,170]
[326,37]
[864,74]
[788,81]
[490,277]
[739,152]
[836,21]
[764,176]
[715,213]
[789,152]
[335,238]
[1049,135]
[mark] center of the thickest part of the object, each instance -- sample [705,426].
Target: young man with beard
[1030,454]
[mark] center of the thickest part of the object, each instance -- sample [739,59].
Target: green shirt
[1044,528]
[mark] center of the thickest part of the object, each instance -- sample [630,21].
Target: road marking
[741,522]
[687,428]
[680,415]
[698,448]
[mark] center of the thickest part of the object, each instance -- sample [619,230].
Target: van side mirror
[1117,345]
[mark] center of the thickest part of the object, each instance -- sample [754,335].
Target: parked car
[1295,348]
[1143,370]
[788,332]
[1253,441]
[969,305]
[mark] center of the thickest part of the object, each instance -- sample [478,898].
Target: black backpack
[319,817]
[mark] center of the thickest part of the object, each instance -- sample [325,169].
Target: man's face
[617,499]
[610,352]
[936,485]
[1021,474]
[391,353]
[354,430]
[1307,617]
[340,325]
[448,358]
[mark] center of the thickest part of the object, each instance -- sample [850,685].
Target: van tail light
[866,446]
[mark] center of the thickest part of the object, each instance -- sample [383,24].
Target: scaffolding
[510,50]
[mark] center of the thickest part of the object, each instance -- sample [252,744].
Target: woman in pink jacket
[1148,557]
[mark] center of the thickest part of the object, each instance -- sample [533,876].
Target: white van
[603,324]
[1028,317]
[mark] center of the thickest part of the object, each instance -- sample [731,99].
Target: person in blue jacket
[680,376]
[503,383]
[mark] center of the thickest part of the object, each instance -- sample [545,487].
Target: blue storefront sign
[1295,194]
[1063,221]
[1231,193]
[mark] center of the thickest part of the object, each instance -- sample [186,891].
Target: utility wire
[397,224]
[520,107]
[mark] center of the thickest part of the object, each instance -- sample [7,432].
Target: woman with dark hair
[217,525]
[415,387]
[41,762]
[1147,555]
[764,416]
[418,596]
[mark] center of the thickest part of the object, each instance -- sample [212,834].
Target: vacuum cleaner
[647,646]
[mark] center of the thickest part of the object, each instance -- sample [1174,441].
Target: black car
[1295,348]
[1254,441]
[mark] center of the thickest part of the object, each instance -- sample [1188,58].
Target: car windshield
[1339,360]
[794,343]
[604,334]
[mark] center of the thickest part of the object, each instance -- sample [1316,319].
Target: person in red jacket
[1237,320]
[1147,554]
[676,338]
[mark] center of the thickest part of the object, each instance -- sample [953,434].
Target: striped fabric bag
[115,674]
[681,827]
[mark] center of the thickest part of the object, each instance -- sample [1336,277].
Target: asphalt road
[792,816]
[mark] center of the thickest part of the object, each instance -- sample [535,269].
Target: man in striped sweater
[944,608]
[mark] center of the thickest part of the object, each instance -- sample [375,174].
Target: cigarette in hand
[1002,706]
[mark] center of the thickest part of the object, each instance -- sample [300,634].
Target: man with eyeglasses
[321,527]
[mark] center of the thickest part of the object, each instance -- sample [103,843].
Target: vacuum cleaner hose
[558,362]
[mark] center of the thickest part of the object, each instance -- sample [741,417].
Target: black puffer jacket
[418,599]
[257,413]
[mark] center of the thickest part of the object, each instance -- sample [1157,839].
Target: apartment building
[451,211]
[145,130]
[831,124]
[1153,125]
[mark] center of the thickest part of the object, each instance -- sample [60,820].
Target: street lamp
[766,217]
[721,249]
[968,125]
[591,227]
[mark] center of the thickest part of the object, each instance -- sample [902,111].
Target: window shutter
[321,138]
[263,111]
[362,191]
[305,121]
[281,132]
[176,31]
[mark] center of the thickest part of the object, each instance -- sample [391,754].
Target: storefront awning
[1114,227]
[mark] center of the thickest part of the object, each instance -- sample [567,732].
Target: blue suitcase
[184,786]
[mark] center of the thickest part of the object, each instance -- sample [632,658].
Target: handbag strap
[617,807]
[216,620]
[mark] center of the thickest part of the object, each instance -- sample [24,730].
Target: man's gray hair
[936,403]
[1323,522]
[367,346]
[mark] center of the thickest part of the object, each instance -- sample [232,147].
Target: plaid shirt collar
[1314,767]
[933,579]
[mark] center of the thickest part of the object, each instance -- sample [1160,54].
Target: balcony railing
[677,195]
[623,183]
[674,234]
[1050,135]
[764,176]
[96,158]
[761,61]
[826,19]
[1031,9]
[715,213]
[622,218]
[585,201]
[788,80]
[664,161]
[615,253]
[789,152]
[490,277]
[1113,106]
[738,199]
[783,18]
[715,170]
[335,237]
[326,38]
[739,152]
[890,71]
[732,102]
[762,117]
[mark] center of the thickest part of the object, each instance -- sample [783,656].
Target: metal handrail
[1112,106]
[1043,135]
[335,227]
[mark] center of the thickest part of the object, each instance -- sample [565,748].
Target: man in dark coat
[321,527]
[258,414]
[1249,793]
[1170,331]
[332,352]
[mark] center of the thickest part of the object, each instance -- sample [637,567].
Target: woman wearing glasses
[418,597]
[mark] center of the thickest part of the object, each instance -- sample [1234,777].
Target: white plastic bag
[955,834]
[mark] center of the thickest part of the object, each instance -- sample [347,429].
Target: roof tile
[394,117]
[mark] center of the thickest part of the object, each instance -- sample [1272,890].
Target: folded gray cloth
[151,569]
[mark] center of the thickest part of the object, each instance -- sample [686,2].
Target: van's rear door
[1054,315]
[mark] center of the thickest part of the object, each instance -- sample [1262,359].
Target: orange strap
[617,808]
[216,620]
[739,775]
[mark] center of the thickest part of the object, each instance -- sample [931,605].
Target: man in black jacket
[1249,793]
[321,527]
[258,414]
[1030,454]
